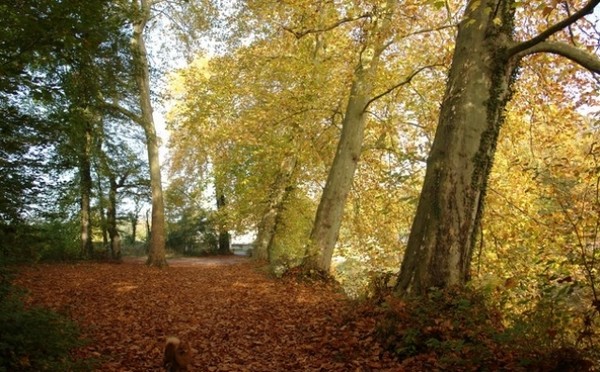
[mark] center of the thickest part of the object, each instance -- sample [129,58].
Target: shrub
[461,330]
[456,326]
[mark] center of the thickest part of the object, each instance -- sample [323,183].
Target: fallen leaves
[233,316]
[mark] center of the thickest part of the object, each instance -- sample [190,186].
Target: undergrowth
[34,338]
[460,330]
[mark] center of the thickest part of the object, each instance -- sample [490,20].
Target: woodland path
[235,317]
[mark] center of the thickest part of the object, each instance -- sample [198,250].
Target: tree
[339,182]
[484,67]
[50,53]
[126,174]
[141,13]
[142,9]
[270,113]
[280,191]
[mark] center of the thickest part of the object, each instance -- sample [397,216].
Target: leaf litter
[233,315]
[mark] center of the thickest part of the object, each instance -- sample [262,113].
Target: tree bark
[224,237]
[86,184]
[157,253]
[263,245]
[113,231]
[330,211]
[102,212]
[446,223]
[133,219]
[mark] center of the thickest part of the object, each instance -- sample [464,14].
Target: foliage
[34,338]
[280,97]
[59,241]
[52,240]
[288,246]
[193,234]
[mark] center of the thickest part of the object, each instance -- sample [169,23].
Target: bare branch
[577,55]
[120,110]
[403,82]
[300,34]
[587,9]
[428,30]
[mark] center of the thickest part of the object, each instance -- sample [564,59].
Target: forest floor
[234,316]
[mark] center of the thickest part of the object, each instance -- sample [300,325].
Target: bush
[455,325]
[53,240]
[34,339]
[460,330]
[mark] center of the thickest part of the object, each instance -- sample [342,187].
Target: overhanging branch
[587,9]
[579,56]
[114,108]
[300,34]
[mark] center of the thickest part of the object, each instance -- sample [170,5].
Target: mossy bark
[445,227]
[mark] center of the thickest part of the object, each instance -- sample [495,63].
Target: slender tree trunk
[330,212]
[85,173]
[224,237]
[281,188]
[115,238]
[133,219]
[445,227]
[102,212]
[156,256]
[278,223]
[148,231]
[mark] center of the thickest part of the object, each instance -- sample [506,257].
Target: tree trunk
[133,219]
[330,211]
[102,212]
[445,227]
[484,65]
[85,173]
[148,232]
[113,231]
[224,237]
[156,256]
[263,245]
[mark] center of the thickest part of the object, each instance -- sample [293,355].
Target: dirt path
[195,261]
[234,316]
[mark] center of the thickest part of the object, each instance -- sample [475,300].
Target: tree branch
[403,82]
[428,30]
[300,34]
[579,56]
[114,108]
[587,9]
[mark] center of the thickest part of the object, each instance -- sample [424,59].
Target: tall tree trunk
[224,237]
[85,174]
[133,219]
[444,230]
[148,231]
[115,238]
[445,227]
[267,227]
[102,212]
[156,256]
[330,211]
